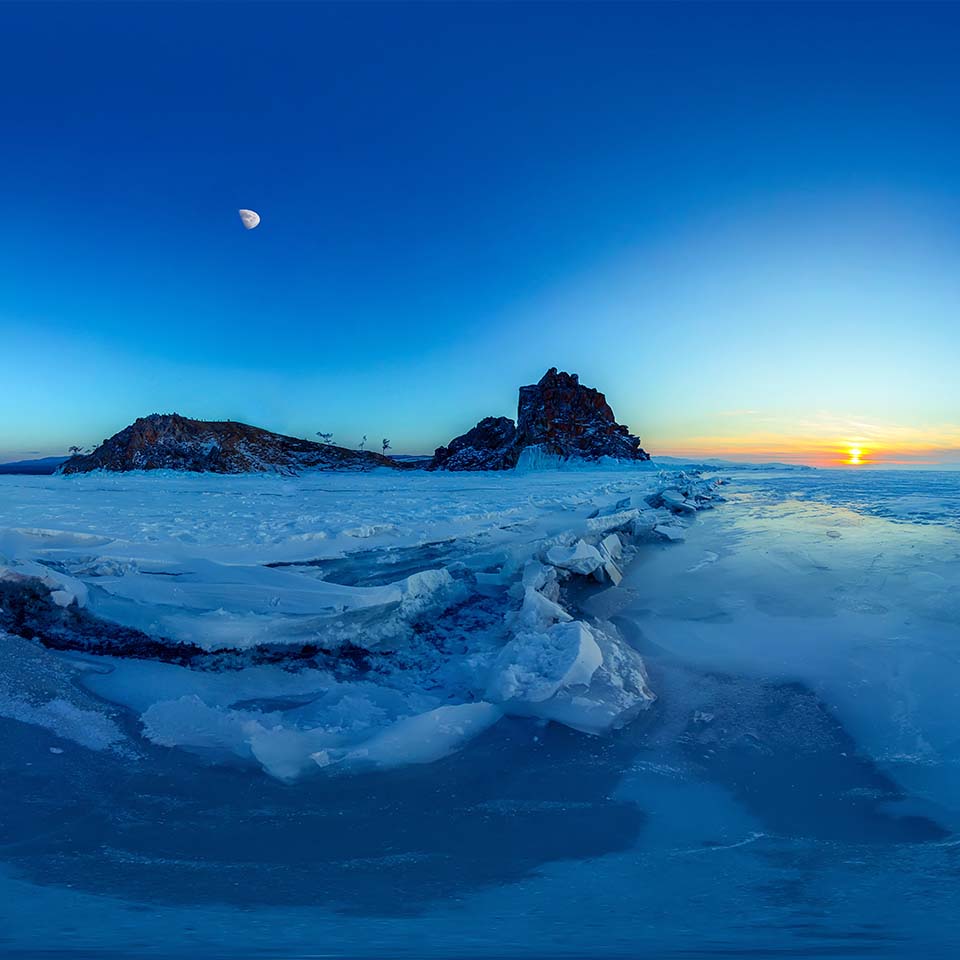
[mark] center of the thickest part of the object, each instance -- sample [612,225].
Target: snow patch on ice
[36,688]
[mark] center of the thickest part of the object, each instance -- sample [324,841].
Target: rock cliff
[558,415]
[488,446]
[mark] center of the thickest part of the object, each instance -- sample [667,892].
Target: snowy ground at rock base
[792,791]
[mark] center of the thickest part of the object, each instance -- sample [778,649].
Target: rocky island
[558,418]
[172,442]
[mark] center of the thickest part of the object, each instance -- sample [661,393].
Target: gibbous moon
[249,218]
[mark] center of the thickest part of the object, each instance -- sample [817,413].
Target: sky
[741,222]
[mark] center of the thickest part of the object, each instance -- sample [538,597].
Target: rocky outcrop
[172,442]
[568,420]
[558,416]
[488,446]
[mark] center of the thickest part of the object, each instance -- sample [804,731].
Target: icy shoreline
[295,649]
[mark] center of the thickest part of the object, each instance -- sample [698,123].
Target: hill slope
[172,442]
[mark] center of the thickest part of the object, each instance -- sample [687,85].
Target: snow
[36,687]
[447,592]
[474,781]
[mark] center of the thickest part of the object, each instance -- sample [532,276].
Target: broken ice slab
[580,558]
[675,500]
[670,531]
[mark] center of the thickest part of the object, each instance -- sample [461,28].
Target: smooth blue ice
[794,792]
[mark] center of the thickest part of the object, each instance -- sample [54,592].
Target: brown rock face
[558,415]
[570,420]
[172,442]
[488,446]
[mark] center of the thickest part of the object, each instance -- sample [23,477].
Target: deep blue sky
[740,221]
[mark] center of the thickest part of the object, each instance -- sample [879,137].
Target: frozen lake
[794,790]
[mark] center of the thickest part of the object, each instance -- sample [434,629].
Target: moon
[249,218]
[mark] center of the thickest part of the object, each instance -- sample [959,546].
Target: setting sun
[856,456]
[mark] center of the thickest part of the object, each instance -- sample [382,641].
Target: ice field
[561,713]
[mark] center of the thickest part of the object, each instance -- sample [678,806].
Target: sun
[856,456]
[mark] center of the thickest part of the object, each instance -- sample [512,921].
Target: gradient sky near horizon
[742,222]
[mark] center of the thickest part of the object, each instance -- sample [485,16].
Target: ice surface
[794,787]
[445,590]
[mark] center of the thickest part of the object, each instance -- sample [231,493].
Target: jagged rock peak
[566,419]
[558,415]
[171,442]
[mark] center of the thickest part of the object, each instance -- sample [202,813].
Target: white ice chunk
[610,548]
[644,523]
[574,674]
[534,666]
[613,521]
[580,558]
[64,589]
[670,531]
[675,500]
[609,571]
[423,738]
[613,546]
[536,575]
[538,612]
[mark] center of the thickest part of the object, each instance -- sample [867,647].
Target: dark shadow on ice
[168,828]
[777,748]
[780,752]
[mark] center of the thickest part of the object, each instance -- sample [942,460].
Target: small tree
[363,443]
[75,451]
[325,437]
[385,446]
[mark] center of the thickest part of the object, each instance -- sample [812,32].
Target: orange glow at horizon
[851,444]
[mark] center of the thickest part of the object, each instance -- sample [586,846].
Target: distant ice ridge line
[442,654]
